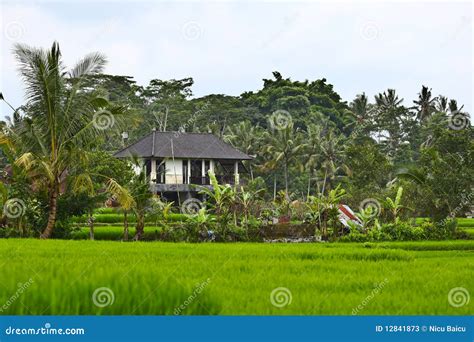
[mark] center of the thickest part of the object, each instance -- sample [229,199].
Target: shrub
[355,236]
[402,231]
[443,230]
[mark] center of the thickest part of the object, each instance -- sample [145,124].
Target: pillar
[153,170]
[189,171]
[236,172]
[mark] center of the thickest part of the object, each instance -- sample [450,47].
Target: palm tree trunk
[139,227]
[324,181]
[53,203]
[166,118]
[125,225]
[286,180]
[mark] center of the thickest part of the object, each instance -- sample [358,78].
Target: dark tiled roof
[182,145]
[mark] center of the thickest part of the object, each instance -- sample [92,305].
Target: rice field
[153,278]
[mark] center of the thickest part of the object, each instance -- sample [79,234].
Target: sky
[229,47]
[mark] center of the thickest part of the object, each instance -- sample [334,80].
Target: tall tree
[425,105]
[332,158]
[62,118]
[391,119]
[246,137]
[312,153]
[284,145]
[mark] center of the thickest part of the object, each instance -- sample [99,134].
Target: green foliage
[405,231]
[308,144]
[324,212]
[395,206]
[59,123]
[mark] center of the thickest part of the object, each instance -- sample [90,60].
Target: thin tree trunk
[125,225]
[286,180]
[325,226]
[53,203]
[91,225]
[324,181]
[139,227]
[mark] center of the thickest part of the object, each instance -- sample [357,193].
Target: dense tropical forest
[311,148]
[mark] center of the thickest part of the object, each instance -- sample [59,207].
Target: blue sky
[228,47]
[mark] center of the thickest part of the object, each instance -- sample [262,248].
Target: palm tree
[361,114]
[139,189]
[246,137]
[312,152]
[388,100]
[425,104]
[441,104]
[62,119]
[390,118]
[332,157]
[453,107]
[284,146]
[360,107]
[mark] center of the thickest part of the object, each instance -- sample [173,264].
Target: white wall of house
[174,171]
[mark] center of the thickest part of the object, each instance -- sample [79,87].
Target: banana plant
[367,218]
[395,206]
[324,209]
[221,199]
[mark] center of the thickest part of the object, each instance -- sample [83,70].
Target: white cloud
[230,47]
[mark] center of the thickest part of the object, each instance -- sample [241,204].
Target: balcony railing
[199,180]
[221,179]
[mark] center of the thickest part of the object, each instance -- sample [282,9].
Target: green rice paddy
[153,278]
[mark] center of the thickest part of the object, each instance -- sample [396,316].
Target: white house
[177,162]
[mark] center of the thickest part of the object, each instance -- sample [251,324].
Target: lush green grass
[155,278]
[113,233]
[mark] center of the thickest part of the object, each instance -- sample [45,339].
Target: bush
[404,231]
[444,230]
[355,236]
